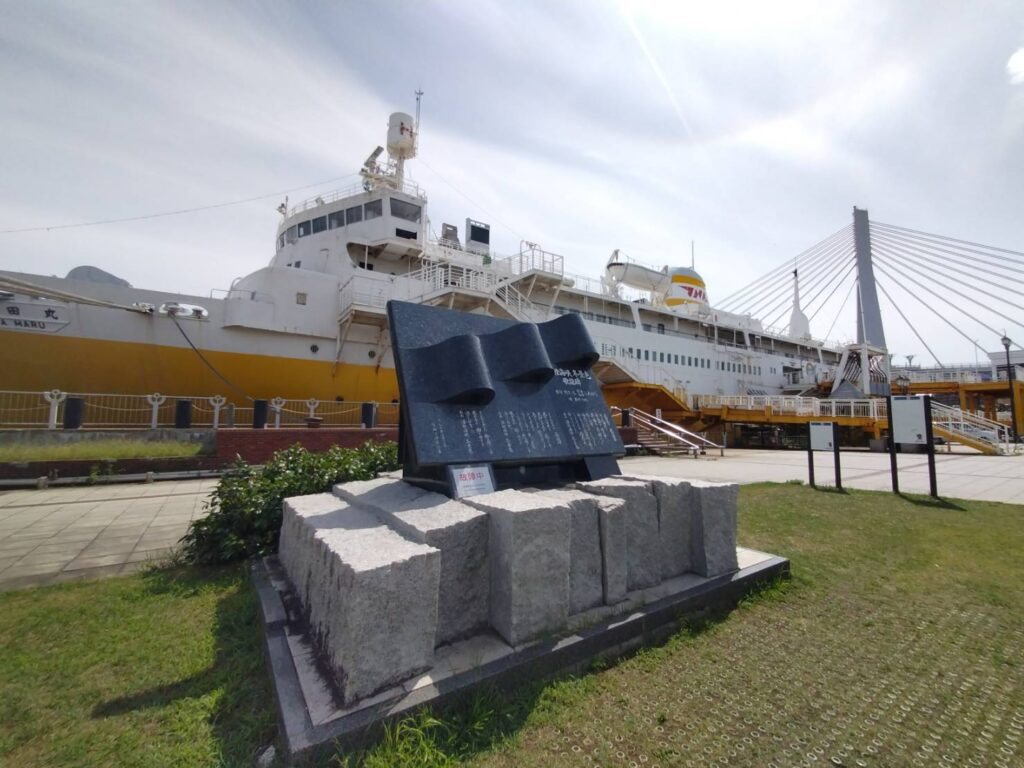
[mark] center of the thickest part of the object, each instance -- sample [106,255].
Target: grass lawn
[899,642]
[98,449]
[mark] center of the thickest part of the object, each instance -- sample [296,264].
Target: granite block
[529,546]
[456,529]
[714,530]
[369,593]
[586,556]
[677,503]
[643,549]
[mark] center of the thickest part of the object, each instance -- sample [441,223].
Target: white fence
[39,410]
[799,406]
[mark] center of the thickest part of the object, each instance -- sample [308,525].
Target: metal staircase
[668,439]
[986,436]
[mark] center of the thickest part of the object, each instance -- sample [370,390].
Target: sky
[750,129]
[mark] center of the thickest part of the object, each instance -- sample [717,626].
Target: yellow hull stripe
[687,280]
[38,362]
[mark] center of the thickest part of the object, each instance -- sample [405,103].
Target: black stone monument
[492,403]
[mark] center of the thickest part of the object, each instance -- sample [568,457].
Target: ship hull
[40,362]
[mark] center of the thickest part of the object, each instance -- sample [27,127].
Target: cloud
[1015,67]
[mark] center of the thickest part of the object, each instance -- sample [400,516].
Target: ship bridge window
[373,209]
[291,235]
[280,242]
[336,219]
[305,227]
[404,210]
[319,224]
[352,215]
[480,235]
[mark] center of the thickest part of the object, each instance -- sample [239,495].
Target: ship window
[280,242]
[319,224]
[304,228]
[300,298]
[336,219]
[373,209]
[480,235]
[647,355]
[662,358]
[403,210]
[291,235]
[661,328]
[352,215]
[297,264]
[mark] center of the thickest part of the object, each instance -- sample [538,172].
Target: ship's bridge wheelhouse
[362,226]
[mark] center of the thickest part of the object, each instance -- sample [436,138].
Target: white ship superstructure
[312,322]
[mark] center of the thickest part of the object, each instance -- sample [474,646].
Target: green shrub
[244,512]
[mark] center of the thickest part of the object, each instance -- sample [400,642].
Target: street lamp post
[902,384]
[1009,380]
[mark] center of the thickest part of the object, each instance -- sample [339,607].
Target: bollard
[74,412]
[368,415]
[627,417]
[259,414]
[182,414]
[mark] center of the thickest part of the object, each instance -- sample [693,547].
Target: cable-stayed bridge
[938,287]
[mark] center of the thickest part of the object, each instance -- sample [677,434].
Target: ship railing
[866,408]
[47,410]
[533,258]
[408,187]
[363,292]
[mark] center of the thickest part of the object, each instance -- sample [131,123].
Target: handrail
[973,427]
[697,442]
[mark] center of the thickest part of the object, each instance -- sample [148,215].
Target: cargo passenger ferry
[312,323]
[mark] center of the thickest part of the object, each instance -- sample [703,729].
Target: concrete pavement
[61,534]
[960,475]
[70,533]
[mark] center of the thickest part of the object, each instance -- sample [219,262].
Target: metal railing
[798,406]
[695,443]
[966,425]
[46,410]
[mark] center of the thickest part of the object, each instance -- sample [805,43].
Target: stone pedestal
[370,594]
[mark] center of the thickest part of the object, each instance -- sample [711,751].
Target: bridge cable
[972,256]
[930,292]
[910,324]
[928,276]
[966,260]
[952,248]
[826,271]
[783,268]
[786,305]
[836,288]
[934,266]
[841,308]
[949,239]
[784,284]
[771,282]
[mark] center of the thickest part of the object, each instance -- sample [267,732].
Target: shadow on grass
[242,719]
[928,501]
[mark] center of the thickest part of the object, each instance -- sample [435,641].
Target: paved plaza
[62,534]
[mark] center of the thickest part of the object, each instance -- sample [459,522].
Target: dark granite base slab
[310,716]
